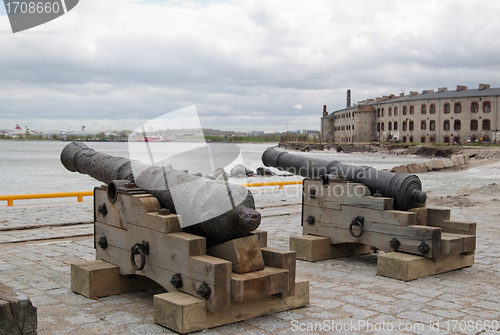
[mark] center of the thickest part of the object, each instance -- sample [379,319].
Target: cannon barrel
[202,203]
[404,188]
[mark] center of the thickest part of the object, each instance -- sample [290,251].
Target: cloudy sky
[245,65]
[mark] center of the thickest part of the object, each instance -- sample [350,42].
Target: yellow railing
[273,183]
[11,197]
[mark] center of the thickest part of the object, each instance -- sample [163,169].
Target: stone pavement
[344,292]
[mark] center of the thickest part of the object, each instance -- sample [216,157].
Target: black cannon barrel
[202,203]
[404,188]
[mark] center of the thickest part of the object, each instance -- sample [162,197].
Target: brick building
[430,117]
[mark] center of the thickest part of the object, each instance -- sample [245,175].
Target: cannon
[213,209]
[405,189]
[193,236]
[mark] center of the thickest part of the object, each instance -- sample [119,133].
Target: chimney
[427,91]
[442,89]
[402,94]
[461,87]
[483,86]
[325,113]
[348,98]
[412,93]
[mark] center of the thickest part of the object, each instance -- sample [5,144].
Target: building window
[486,138]
[390,111]
[382,113]
[410,127]
[389,126]
[422,125]
[352,127]
[404,125]
[411,139]
[457,125]
[423,108]
[378,126]
[432,125]
[422,139]
[458,107]
[404,110]
[486,107]
[474,107]
[378,112]
[395,111]
[446,139]
[433,109]
[456,139]
[447,108]
[382,126]
[486,124]
[412,110]
[404,139]
[446,125]
[395,125]
[473,124]
[431,139]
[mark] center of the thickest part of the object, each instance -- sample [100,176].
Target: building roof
[447,94]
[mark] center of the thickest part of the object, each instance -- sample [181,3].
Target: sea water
[35,166]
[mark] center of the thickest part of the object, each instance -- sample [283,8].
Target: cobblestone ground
[343,292]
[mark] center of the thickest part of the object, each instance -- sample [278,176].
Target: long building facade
[449,117]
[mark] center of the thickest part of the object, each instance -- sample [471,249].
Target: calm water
[34,166]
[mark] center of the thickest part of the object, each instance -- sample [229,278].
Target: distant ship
[153,139]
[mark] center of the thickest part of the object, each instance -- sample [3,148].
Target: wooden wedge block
[17,313]
[244,253]
[282,259]
[258,284]
[452,243]
[95,279]
[185,314]
[408,267]
[421,215]
[317,248]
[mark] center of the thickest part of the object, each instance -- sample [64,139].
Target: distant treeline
[259,138]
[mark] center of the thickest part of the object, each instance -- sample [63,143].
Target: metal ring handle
[356,222]
[136,249]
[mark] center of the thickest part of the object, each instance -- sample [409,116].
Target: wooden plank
[379,235]
[317,248]
[112,217]
[219,299]
[139,209]
[409,267]
[466,228]
[244,254]
[336,194]
[457,243]
[282,259]
[435,216]
[185,314]
[175,253]
[258,284]
[345,216]
[95,279]
[17,313]
[421,215]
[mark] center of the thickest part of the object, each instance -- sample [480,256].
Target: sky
[245,65]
